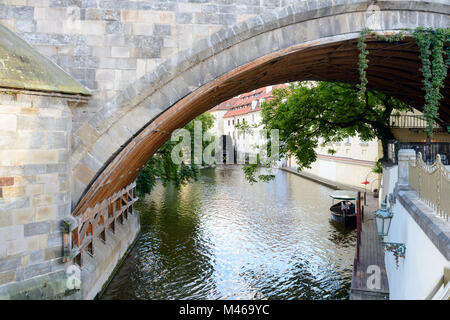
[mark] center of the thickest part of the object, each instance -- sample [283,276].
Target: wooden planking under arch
[394,68]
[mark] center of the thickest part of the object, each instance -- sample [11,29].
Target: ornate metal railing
[79,234]
[441,289]
[409,122]
[432,183]
[429,151]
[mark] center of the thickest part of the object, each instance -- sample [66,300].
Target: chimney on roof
[254,103]
[268,89]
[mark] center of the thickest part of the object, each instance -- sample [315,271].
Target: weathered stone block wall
[188,73]
[35,176]
[426,237]
[106,45]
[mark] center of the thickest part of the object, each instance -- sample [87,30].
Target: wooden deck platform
[370,250]
[370,253]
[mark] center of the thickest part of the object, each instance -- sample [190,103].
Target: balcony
[410,122]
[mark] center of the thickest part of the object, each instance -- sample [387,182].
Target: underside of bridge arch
[394,69]
[314,40]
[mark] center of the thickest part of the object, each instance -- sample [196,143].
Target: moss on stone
[22,67]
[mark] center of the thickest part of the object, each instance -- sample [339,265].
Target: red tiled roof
[239,112]
[225,105]
[242,104]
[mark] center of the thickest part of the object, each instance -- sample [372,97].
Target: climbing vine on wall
[363,62]
[435,57]
[434,68]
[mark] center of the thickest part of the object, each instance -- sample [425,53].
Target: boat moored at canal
[344,211]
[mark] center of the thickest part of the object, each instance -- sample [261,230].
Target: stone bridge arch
[313,40]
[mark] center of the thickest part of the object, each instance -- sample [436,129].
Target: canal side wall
[99,268]
[426,237]
[326,182]
[35,179]
[388,180]
[340,172]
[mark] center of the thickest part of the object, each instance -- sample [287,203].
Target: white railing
[432,183]
[441,289]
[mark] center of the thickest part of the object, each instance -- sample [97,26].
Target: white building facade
[350,164]
[245,108]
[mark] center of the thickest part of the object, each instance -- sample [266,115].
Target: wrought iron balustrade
[428,151]
[432,183]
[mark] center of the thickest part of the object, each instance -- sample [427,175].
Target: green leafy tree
[161,167]
[333,110]
[304,112]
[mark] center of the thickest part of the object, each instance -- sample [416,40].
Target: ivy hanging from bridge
[435,57]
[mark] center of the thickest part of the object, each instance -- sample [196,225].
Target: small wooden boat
[345,217]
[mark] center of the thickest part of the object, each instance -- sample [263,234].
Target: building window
[228,122]
[364,143]
[233,121]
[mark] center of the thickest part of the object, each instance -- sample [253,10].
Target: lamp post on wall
[365,183]
[383,219]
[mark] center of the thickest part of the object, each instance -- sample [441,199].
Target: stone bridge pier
[90,89]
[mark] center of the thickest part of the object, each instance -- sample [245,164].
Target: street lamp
[383,218]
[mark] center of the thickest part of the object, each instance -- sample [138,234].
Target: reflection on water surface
[222,238]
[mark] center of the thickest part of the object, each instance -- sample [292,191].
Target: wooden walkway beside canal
[370,254]
[370,251]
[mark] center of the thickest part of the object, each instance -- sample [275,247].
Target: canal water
[222,238]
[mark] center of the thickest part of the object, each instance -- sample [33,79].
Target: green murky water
[222,238]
